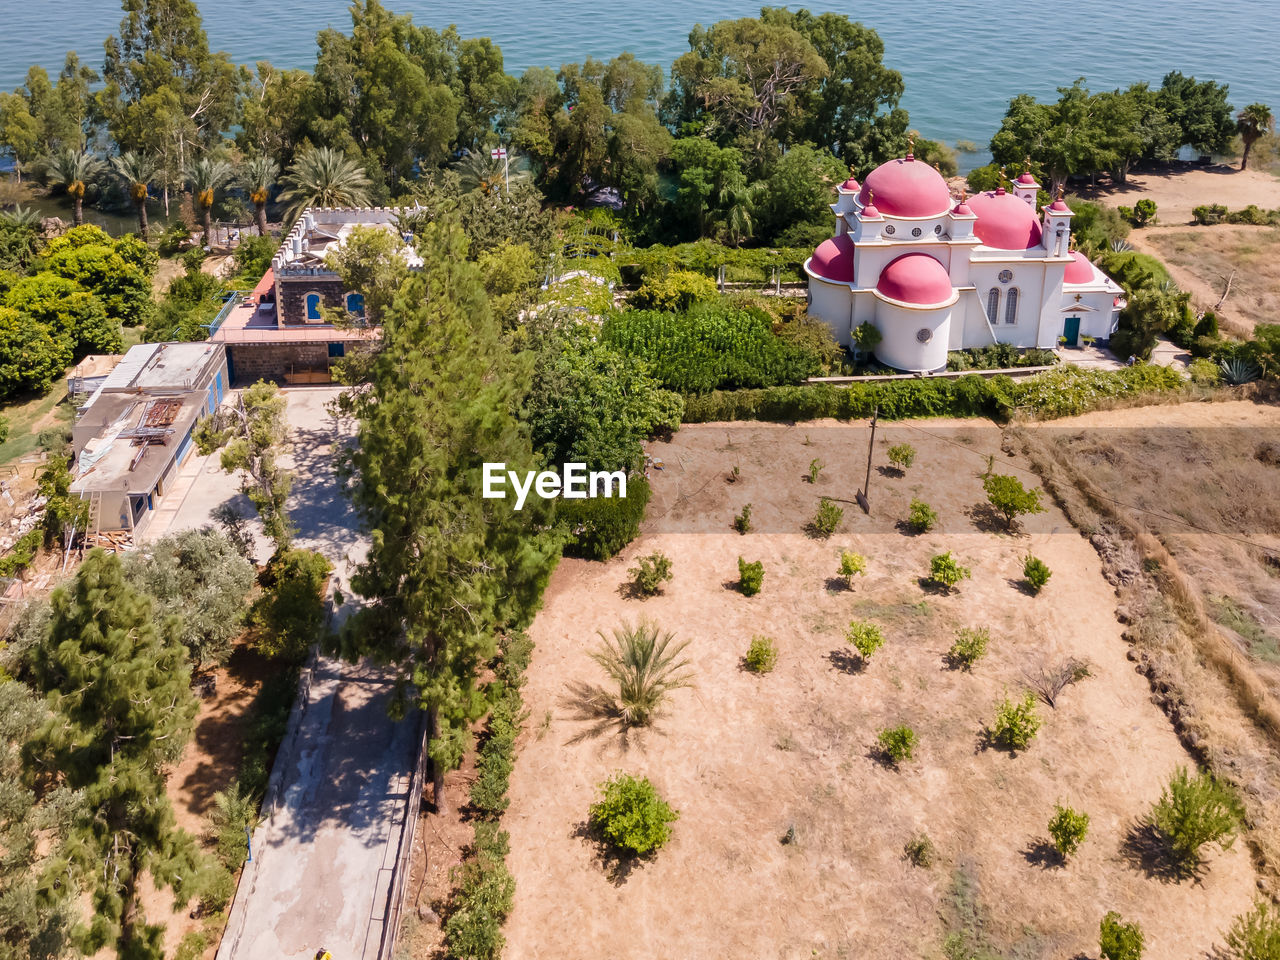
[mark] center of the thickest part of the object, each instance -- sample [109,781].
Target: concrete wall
[251,362]
[900,326]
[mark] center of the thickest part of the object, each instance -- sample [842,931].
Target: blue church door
[1071,331]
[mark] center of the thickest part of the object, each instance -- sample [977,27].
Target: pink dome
[850,185]
[833,260]
[1059,206]
[961,209]
[1026,179]
[1079,270]
[915,278]
[907,188]
[1004,221]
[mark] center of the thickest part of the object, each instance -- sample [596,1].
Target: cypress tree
[122,707]
[447,569]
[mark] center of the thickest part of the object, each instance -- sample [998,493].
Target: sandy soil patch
[1177,190]
[746,759]
[1202,259]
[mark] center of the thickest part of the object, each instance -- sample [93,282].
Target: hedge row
[706,257]
[485,888]
[1211,213]
[1055,393]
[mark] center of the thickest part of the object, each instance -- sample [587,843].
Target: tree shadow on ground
[595,706]
[989,520]
[931,586]
[617,865]
[1043,854]
[1146,850]
[838,585]
[889,471]
[907,530]
[1021,585]
[846,662]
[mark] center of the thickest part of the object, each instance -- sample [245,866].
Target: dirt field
[1177,190]
[747,759]
[1201,259]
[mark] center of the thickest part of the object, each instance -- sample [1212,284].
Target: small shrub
[192,946]
[1256,934]
[827,519]
[920,850]
[902,456]
[896,744]
[1204,372]
[677,291]
[1192,812]
[762,655]
[486,891]
[234,813]
[1016,724]
[650,573]
[921,517]
[1036,572]
[750,576]
[815,468]
[852,565]
[630,816]
[865,637]
[1007,495]
[969,647]
[742,522]
[1067,830]
[601,526]
[734,475]
[1118,940]
[946,572]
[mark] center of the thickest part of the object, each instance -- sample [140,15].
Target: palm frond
[646,664]
[322,177]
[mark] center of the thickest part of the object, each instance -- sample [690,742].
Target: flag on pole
[498,153]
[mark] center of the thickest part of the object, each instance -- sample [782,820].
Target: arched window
[1011,306]
[313,303]
[993,305]
[355,304]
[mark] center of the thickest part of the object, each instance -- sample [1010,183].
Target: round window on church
[1005,276]
[937,228]
[890,229]
[916,231]
[924,334]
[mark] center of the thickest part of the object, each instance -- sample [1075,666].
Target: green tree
[1118,940]
[118,272]
[1199,112]
[323,178]
[74,171]
[276,111]
[486,93]
[123,709]
[289,616]
[1252,123]
[1192,812]
[164,93]
[631,817]
[199,577]
[1068,829]
[1256,934]
[31,356]
[1010,499]
[257,176]
[206,177]
[72,315]
[446,567]
[646,664]
[254,440]
[137,170]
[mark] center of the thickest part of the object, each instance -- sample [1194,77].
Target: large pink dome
[1079,270]
[915,278]
[833,260]
[906,188]
[1004,221]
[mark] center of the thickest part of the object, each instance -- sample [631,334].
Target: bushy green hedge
[23,552]
[1211,213]
[706,257]
[601,526]
[1054,393]
[714,346]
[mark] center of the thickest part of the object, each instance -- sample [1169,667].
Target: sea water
[961,60]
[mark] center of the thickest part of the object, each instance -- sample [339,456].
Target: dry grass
[1202,259]
[750,760]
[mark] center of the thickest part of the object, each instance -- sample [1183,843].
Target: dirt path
[1177,190]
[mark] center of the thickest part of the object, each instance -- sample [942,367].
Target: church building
[932,274]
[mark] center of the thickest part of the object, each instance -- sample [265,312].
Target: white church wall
[830,302]
[901,345]
[969,327]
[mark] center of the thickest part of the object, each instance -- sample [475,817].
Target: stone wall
[251,362]
[293,291]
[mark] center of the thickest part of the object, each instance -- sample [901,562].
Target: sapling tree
[896,744]
[1036,572]
[852,565]
[827,519]
[630,816]
[946,572]
[1255,935]
[750,576]
[969,646]
[865,637]
[920,516]
[1193,811]
[1118,940]
[902,456]
[646,664]
[124,709]
[742,522]
[1007,495]
[1016,723]
[1068,829]
[762,655]
[650,573]
[815,468]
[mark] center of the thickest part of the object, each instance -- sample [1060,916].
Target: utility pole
[863,502]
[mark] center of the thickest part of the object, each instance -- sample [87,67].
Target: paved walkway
[334,820]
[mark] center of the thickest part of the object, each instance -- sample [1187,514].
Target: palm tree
[20,216]
[479,171]
[74,170]
[137,170]
[646,667]
[258,176]
[1251,123]
[207,175]
[321,177]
